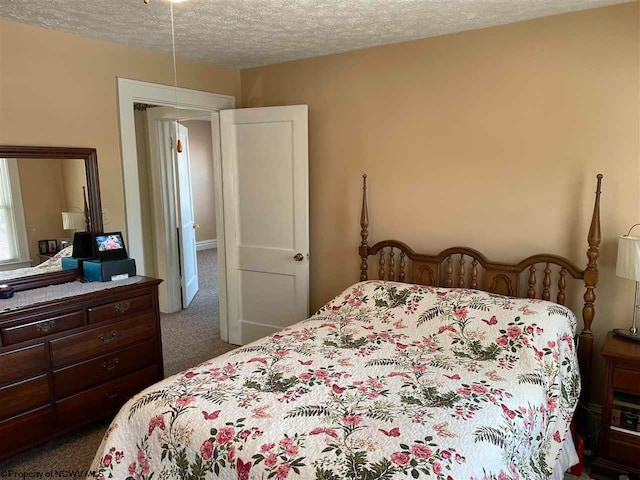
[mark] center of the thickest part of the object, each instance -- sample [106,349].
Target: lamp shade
[628,265]
[73,221]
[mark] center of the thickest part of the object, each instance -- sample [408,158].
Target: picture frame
[43,247]
[52,246]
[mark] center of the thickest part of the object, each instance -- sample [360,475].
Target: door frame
[134,91]
[163,181]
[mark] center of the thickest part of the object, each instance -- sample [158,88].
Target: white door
[186,220]
[266,219]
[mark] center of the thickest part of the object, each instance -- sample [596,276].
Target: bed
[53,264]
[448,376]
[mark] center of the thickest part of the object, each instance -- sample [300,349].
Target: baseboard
[206,244]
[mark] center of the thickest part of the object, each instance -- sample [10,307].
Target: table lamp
[628,266]
[73,221]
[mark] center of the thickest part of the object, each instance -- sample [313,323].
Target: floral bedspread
[386,381]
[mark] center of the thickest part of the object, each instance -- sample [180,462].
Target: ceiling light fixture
[175,73]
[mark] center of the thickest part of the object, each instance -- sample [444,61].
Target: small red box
[578,440]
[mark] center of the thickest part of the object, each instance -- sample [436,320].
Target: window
[13,235]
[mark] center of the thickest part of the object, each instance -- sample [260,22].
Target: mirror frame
[90,158]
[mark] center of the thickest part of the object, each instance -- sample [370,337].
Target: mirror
[47,194]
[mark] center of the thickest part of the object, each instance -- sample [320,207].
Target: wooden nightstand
[619,452]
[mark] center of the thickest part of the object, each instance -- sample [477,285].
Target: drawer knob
[122,307]
[44,327]
[110,364]
[108,337]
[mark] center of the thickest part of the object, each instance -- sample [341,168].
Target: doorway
[139,198]
[178,189]
[260,161]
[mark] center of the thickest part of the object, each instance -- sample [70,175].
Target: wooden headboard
[465,267]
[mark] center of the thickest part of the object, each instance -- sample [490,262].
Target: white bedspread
[387,381]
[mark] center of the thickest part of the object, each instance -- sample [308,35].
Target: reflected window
[13,247]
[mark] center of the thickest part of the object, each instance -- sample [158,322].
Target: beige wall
[490,138]
[48,188]
[43,200]
[60,89]
[202,180]
[74,177]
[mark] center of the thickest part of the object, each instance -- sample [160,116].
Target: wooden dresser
[69,362]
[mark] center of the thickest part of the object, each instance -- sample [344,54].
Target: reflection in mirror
[42,204]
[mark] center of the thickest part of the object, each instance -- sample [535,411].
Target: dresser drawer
[88,374]
[40,328]
[626,380]
[130,306]
[21,364]
[106,398]
[88,344]
[26,430]
[24,396]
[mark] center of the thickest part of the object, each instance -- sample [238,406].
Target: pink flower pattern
[354,389]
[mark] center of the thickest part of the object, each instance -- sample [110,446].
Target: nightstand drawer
[626,380]
[624,448]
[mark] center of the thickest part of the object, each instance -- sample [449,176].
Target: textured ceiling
[248,33]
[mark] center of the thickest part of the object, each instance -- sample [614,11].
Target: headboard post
[364,233]
[585,346]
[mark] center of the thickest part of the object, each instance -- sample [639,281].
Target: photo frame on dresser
[43,247]
[52,246]
[92,209]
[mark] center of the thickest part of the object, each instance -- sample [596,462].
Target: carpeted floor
[189,337]
[192,336]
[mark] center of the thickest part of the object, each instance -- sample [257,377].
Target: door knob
[196,225]
[298,257]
